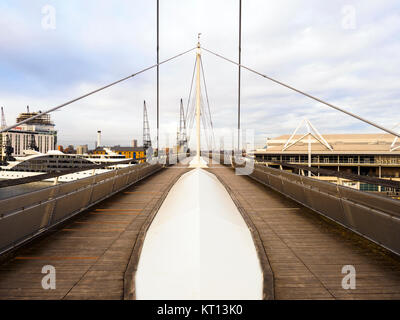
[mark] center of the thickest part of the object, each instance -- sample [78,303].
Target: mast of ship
[197,161]
[198,56]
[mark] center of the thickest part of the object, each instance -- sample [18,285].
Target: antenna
[146,128]
[3,119]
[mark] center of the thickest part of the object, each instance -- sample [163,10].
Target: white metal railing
[26,216]
[372,216]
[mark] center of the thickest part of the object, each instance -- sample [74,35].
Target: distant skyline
[346,52]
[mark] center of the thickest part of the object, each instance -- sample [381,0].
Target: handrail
[25,217]
[372,216]
[44,176]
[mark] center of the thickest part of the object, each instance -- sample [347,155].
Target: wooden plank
[91,252]
[307,252]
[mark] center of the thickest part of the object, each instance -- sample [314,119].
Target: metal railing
[57,173]
[372,216]
[26,216]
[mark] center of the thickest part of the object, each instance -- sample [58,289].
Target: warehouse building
[374,155]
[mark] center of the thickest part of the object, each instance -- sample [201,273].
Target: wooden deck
[307,252]
[91,252]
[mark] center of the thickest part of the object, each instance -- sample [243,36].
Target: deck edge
[268,275]
[131,269]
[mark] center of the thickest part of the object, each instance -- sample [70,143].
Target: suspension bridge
[302,235]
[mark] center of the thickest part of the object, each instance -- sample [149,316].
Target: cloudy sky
[346,52]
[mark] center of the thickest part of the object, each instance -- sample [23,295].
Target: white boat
[35,163]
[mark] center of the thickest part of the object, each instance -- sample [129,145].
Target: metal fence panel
[16,227]
[26,200]
[328,205]
[71,186]
[104,176]
[133,176]
[101,189]
[375,217]
[375,225]
[276,182]
[120,181]
[293,189]
[24,216]
[295,178]
[323,186]
[377,202]
[259,175]
[71,203]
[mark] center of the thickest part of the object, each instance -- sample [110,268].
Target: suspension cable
[191,87]
[95,91]
[204,121]
[208,102]
[191,116]
[207,124]
[306,94]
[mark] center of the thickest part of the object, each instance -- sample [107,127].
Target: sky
[346,52]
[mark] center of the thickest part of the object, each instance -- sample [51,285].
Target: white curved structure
[198,246]
[34,163]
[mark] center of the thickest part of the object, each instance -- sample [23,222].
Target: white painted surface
[198,246]
[198,162]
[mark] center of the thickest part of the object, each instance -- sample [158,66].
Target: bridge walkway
[90,252]
[307,252]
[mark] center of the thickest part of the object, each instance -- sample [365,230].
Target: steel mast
[197,162]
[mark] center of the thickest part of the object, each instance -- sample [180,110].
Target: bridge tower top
[198,162]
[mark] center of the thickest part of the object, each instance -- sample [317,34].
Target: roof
[118,148]
[340,143]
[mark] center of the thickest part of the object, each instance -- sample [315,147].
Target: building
[83,149]
[37,134]
[374,155]
[137,153]
[97,144]
[70,150]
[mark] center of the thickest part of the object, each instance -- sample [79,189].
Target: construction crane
[182,128]
[146,128]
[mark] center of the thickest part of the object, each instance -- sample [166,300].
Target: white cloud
[301,43]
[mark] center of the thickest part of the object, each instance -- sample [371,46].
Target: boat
[34,163]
